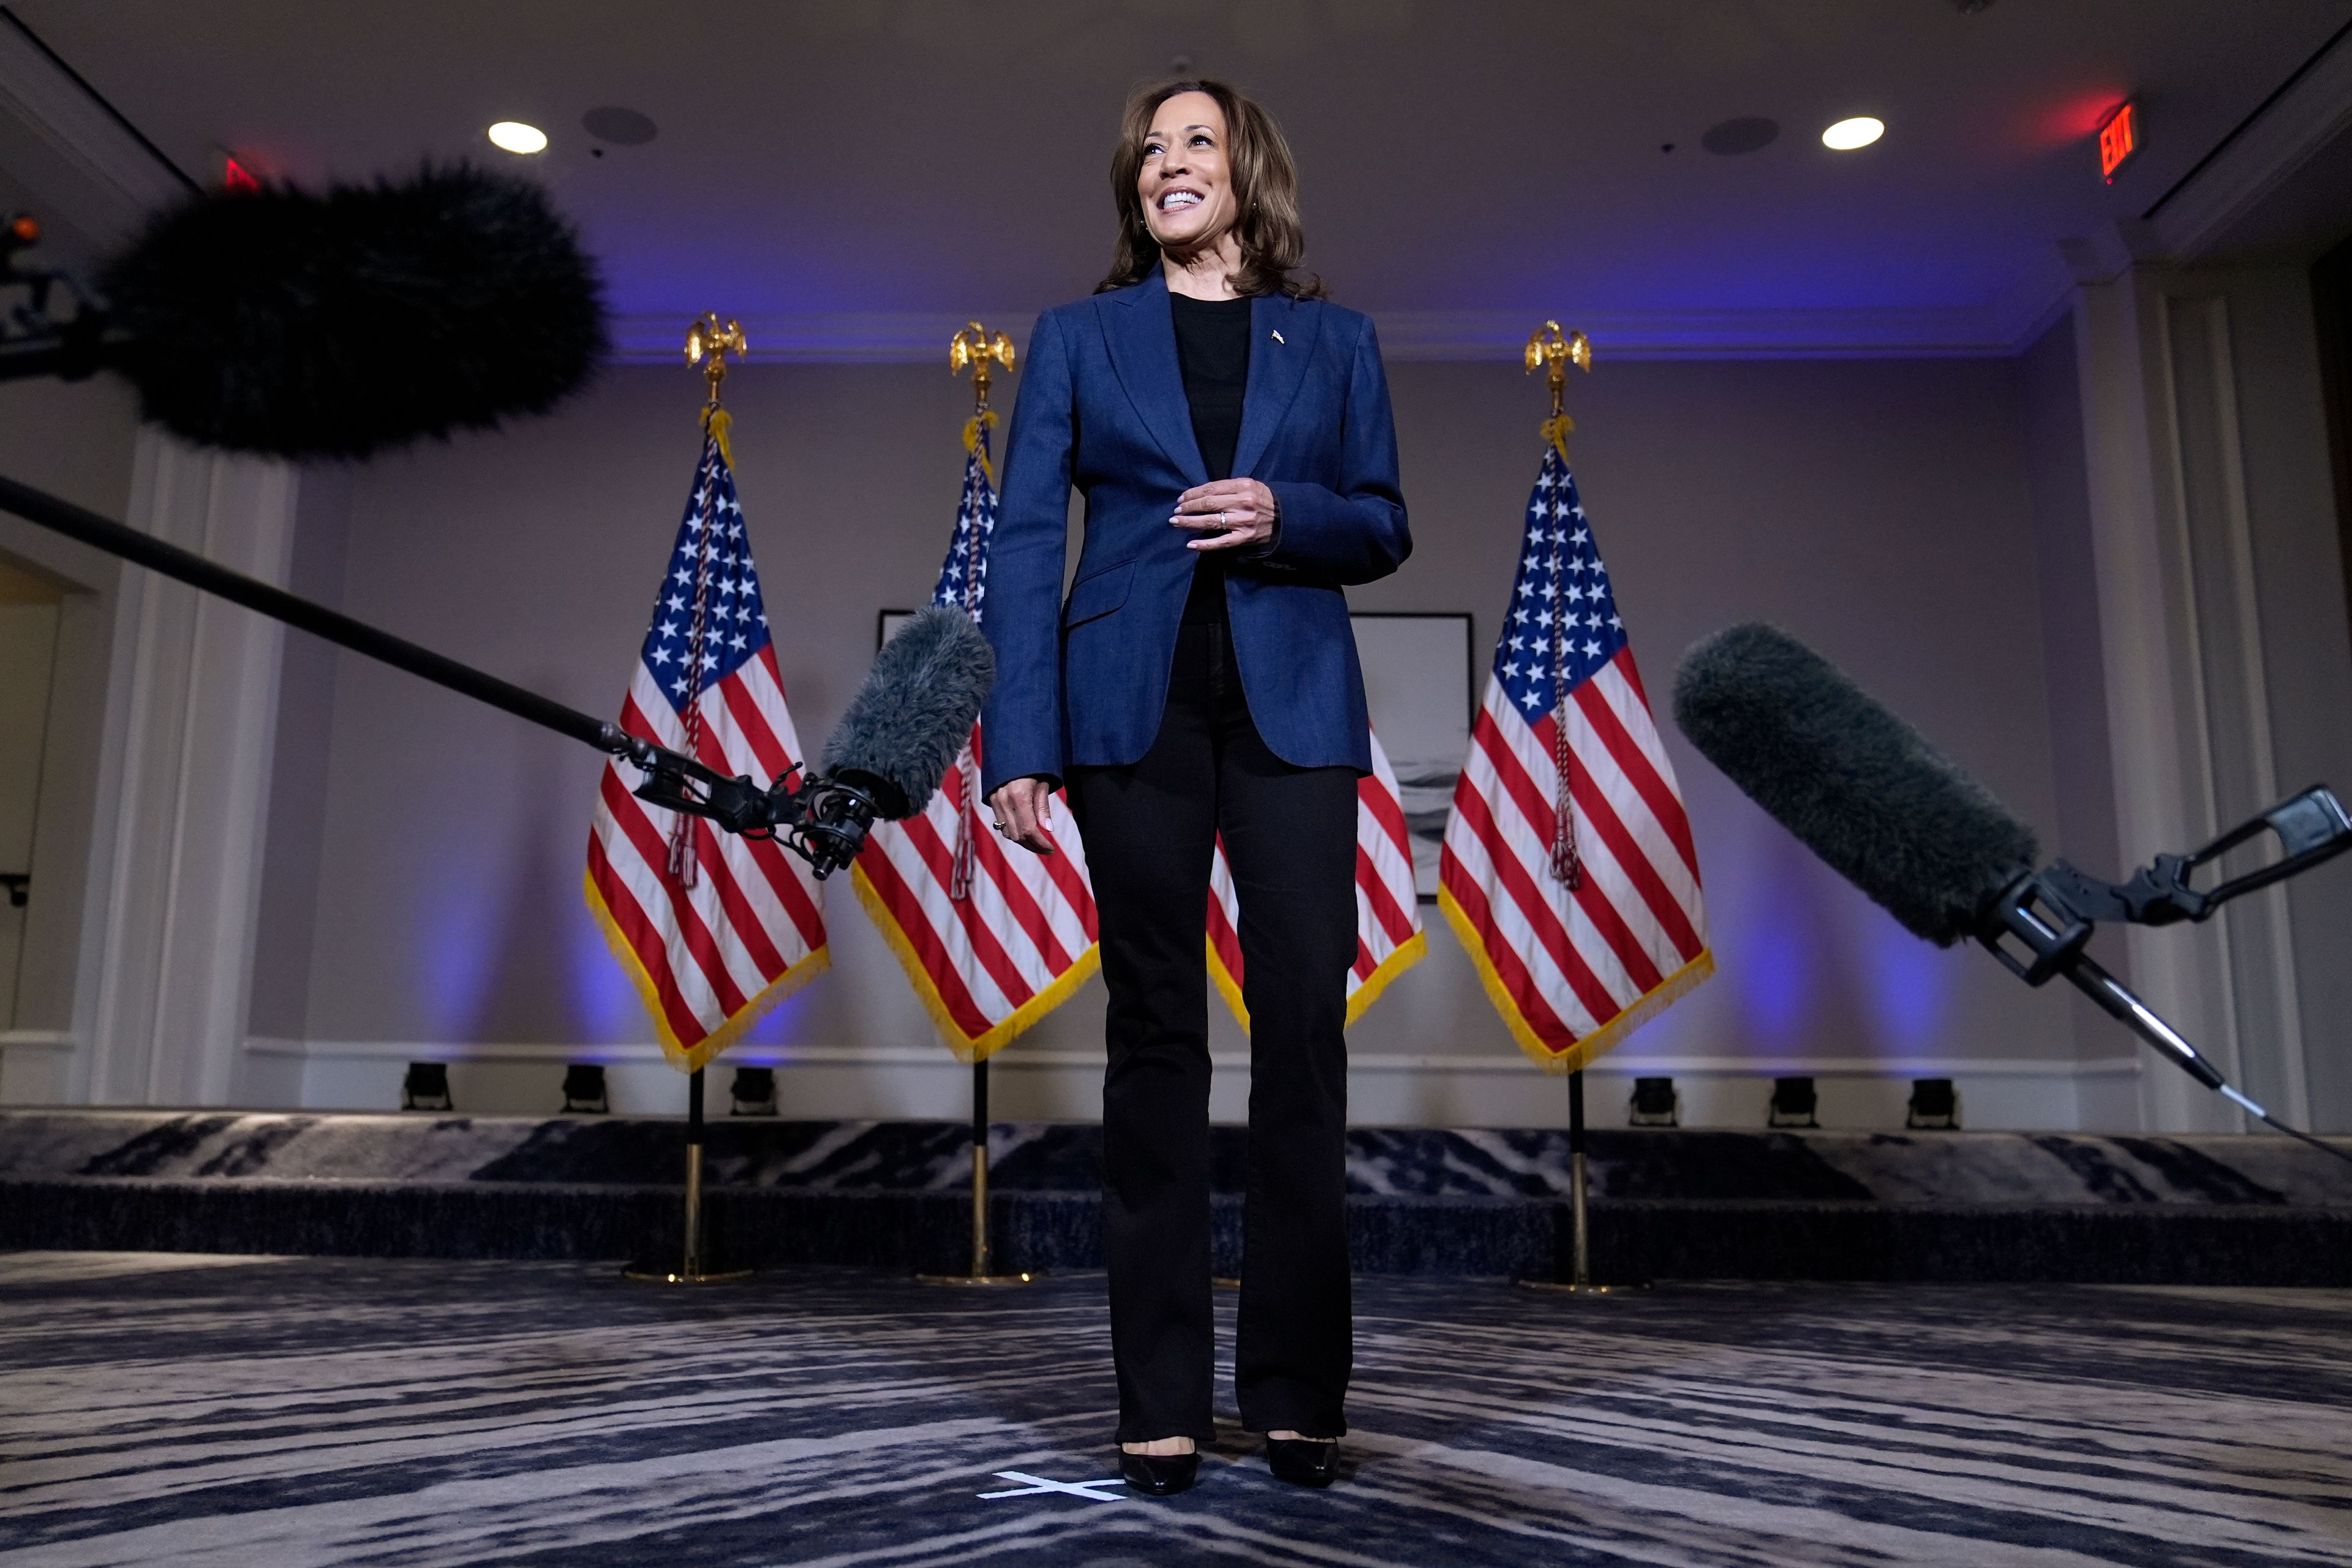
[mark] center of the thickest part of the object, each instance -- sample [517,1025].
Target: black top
[1213,347]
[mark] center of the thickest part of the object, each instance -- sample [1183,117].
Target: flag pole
[975,348]
[1552,351]
[1580,1280]
[982,1250]
[690,1269]
[709,341]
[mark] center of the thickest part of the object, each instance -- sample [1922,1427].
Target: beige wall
[298,785]
[2082,825]
[1885,512]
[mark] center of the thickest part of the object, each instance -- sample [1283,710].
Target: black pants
[1290,838]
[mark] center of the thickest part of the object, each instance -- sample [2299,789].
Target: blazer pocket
[1098,595]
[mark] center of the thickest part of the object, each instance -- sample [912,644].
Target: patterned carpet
[265,1412]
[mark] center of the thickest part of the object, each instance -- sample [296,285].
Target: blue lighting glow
[604,1005]
[454,942]
[1909,984]
[782,1023]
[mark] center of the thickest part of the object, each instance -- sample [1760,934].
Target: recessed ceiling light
[1848,134]
[514,136]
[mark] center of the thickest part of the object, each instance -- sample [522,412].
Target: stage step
[1668,1205]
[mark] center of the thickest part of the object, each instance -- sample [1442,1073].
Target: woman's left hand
[1243,509]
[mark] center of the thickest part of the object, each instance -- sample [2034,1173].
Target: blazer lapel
[1140,332]
[1277,365]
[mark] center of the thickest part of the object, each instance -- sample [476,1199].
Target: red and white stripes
[1389,938]
[709,957]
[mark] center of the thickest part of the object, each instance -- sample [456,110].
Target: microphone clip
[2051,913]
[2308,829]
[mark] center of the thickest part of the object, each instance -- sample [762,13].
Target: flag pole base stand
[1570,1288]
[1222,1283]
[662,1274]
[982,1254]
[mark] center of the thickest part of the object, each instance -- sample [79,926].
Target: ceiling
[871,161]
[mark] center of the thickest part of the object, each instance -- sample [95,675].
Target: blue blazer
[1102,408]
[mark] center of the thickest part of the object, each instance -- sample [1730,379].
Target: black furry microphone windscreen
[914,712]
[1861,788]
[334,325]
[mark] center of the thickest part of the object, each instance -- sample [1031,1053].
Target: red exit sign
[2118,140]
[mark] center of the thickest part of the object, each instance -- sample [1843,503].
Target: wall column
[175,862]
[2189,567]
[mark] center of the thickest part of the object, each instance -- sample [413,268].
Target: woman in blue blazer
[1229,430]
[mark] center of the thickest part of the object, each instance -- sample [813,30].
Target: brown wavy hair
[1265,189]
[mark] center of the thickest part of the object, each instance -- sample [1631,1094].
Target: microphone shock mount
[822,819]
[2040,924]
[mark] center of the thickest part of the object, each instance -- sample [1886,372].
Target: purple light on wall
[605,1009]
[1772,944]
[455,952]
[1776,978]
[1909,983]
[782,1025]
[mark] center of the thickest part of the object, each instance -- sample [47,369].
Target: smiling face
[1186,182]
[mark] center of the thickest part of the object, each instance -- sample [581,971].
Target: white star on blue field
[1578,610]
[735,621]
[963,578]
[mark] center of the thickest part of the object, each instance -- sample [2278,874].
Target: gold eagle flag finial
[709,343]
[975,348]
[1555,350]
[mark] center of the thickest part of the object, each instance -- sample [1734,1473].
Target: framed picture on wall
[1420,685]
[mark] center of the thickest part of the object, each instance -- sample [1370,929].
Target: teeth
[1174,199]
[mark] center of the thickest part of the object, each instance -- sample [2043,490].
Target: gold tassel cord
[716,424]
[974,445]
[1554,351]
[1556,432]
[709,341]
[973,348]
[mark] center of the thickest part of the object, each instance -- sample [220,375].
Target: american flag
[1389,938]
[993,937]
[1583,922]
[715,929]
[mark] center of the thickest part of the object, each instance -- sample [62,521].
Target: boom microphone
[907,723]
[334,325]
[1858,787]
[1866,793]
[913,714]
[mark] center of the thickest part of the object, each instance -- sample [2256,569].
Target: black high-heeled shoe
[1160,1475]
[1302,1461]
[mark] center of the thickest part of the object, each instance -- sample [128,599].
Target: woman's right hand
[1025,812]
